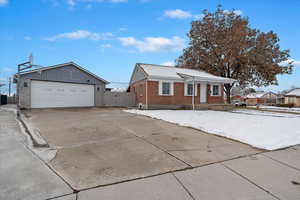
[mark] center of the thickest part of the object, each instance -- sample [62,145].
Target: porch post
[193,98]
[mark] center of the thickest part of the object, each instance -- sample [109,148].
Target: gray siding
[99,95]
[24,93]
[68,74]
[137,75]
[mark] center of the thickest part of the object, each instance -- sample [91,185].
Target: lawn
[260,129]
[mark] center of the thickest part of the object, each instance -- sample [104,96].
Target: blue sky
[109,36]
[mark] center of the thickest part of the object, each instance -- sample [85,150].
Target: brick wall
[139,89]
[215,99]
[177,98]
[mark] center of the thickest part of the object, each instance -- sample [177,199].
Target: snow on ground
[275,108]
[266,113]
[296,110]
[262,131]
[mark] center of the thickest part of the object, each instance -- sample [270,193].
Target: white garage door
[46,94]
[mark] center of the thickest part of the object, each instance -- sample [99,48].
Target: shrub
[286,105]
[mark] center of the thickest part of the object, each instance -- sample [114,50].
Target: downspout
[147,94]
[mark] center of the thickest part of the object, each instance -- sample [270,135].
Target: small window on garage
[25,84]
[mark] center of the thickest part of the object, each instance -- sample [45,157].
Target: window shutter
[172,88]
[159,88]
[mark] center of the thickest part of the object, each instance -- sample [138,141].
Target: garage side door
[46,94]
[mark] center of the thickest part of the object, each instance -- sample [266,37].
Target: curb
[36,138]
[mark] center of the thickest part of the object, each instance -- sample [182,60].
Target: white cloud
[106,46]
[27,38]
[81,34]
[154,44]
[74,2]
[296,63]
[6,69]
[168,63]
[236,12]
[177,14]
[118,1]
[71,2]
[200,16]
[3,2]
[123,29]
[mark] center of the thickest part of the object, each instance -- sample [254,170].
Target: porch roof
[212,78]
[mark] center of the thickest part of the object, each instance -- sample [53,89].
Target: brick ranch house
[265,98]
[158,87]
[293,97]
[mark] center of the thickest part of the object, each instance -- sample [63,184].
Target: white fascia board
[198,79]
[159,78]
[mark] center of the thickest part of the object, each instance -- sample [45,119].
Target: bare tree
[224,44]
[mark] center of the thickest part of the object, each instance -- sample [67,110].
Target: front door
[203,91]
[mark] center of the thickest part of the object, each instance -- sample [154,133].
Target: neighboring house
[293,97]
[280,99]
[157,86]
[63,85]
[257,98]
[237,98]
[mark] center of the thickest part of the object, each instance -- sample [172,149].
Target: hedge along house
[63,85]
[159,87]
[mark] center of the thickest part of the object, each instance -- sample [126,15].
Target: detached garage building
[64,85]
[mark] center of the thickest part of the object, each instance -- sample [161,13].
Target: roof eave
[62,65]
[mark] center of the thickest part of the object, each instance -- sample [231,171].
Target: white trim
[211,90]
[170,80]
[186,88]
[160,82]
[136,68]
[203,92]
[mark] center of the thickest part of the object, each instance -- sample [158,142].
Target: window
[25,84]
[190,89]
[166,88]
[215,90]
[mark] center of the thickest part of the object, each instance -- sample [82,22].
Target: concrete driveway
[105,146]
[22,175]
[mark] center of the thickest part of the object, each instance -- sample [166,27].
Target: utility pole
[21,67]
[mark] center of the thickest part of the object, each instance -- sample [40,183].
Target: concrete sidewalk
[267,176]
[22,175]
